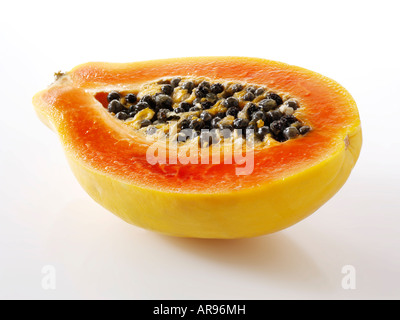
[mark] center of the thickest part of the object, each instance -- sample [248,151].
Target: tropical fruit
[207,147]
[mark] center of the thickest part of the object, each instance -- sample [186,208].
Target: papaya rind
[239,214]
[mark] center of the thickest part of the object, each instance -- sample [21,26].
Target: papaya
[204,147]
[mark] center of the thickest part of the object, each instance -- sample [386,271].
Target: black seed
[290,133]
[207,125]
[223,125]
[292,104]
[204,84]
[164,102]
[281,126]
[226,94]
[250,108]
[163,81]
[149,100]
[297,124]
[175,82]
[217,88]
[232,111]
[289,118]
[259,92]
[267,104]
[196,124]
[145,123]
[195,108]
[141,106]
[151,130]
[173,117]
[276,127]
[304,129]
[214,122]
[285,121]
[237,87]
[240,123]
[154,118]
[188,85]
[184,124]
[206,104]
[280,138]
[275,97]
[253,123]
[167,89]
[122,115]
[251,89]
[211,97]
[185,105]
[196,101]
[201,91]
[113,95]
[179,110]
[130,98]
[162,115]
[230,102]
[276,114]
[249,96]
[259,115]
[115,106]
[262,132]
[205,116]
[268,118]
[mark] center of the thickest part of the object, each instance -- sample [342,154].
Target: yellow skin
[234,214]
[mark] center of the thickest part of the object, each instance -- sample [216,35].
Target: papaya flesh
[287,182]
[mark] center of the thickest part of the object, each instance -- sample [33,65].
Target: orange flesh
[89,136]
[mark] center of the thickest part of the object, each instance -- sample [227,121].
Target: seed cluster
[220,108]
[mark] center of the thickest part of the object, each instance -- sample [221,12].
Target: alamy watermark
[49,277]
[349,278]
[207,146]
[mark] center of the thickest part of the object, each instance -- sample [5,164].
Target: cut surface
[103,144]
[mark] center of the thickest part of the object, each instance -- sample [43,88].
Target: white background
[47,219]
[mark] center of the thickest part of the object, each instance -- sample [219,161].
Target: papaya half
[205,147]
